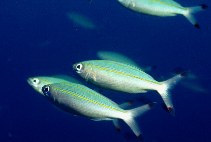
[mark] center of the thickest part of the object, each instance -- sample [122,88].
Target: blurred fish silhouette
[164,8]
[190,81]
[118,57]
[81,20]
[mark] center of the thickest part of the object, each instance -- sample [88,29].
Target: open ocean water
[38,38]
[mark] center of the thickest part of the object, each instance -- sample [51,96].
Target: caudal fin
[192,10]
[131,114]
[164,88]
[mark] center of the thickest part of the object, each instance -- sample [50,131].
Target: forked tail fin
[164,88]
[131,114]
[192,10]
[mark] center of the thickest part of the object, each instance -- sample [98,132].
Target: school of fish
[113,71]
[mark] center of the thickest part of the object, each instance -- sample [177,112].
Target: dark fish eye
[79,67]
[35,80]
[45,89]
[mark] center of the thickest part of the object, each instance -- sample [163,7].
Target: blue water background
[37,38]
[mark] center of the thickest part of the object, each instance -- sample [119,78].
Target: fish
[81,20]
[164,8]
[38,82]
[125,78]
[114,56]
[118,57]
[191,81]
[80,100]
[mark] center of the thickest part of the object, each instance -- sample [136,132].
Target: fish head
[38,82]
[79,67]
[83,69]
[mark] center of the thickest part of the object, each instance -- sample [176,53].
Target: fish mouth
[29,81]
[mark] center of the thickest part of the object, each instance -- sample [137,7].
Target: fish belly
[155,7]
[124,83]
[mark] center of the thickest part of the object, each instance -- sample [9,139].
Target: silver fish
[163,8]
[80,100]
[125,78]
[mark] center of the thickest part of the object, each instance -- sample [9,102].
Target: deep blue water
[37,38]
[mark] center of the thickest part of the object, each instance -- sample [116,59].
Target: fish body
[81,100]
[39,81]
[163,8]
[117,76]
[122,77]
[155,7]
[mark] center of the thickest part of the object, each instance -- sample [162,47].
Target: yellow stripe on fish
[124,74]
[76,95]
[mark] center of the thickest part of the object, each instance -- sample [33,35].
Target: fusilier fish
[81,20]
[117,57]
[39,81]
[80,100]
[163,8]
[125,78]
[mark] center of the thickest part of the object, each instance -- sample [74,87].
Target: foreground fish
[125,78]
[118,57]
[39,81]
[80,100]
[163,8]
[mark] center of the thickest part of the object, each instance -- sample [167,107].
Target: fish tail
[132,113]
[192,10]
[164,88]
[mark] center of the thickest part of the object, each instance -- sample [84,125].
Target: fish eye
[45,89]
[35,81]
[78,67]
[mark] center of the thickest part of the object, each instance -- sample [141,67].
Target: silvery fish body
[39,81]
[80,100]
[163,8]
[117,76]
[84,101]
[155,7]
[122,77]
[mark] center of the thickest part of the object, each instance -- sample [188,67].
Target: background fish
[81,20]
[125,78]
[163,8]
[118,57]
[80,100]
